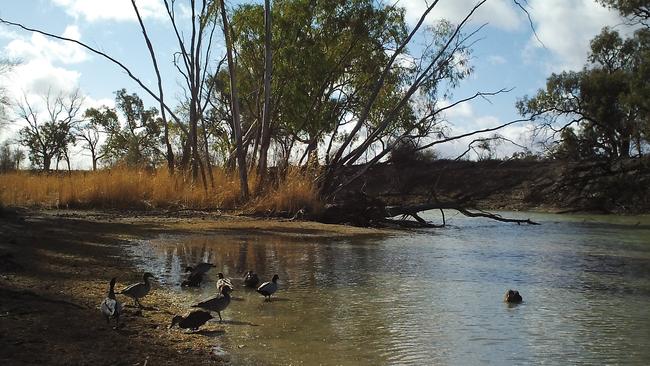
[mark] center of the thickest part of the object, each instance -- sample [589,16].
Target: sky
[506,55]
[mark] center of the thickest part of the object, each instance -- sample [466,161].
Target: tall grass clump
[110,188]
[124,188]
[294,191]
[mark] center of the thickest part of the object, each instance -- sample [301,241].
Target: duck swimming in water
[218,303]
[513,297]
[138,290]
[191,321]
[201,268]
[268,288]
[251,280]
[195,277]
[110,307]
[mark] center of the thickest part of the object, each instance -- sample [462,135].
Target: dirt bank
[553,186]
[54,272]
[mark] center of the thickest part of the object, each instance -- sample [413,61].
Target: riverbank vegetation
[372,92]
[124,188]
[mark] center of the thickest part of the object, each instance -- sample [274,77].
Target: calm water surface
[432,296]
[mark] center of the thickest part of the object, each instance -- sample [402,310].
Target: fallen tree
[364,210]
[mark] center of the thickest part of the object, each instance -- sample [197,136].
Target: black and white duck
[269,288]
[110,307]
[223,282]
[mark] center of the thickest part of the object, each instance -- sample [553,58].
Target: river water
[432,296]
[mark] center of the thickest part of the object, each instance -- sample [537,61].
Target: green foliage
[136,143]
[635,10]
[606,101]
[48,138]
[46,142]
[326,54]
[406,152]
[10,158]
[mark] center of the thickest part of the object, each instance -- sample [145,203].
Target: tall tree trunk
[208,161]
[170,152]
[67,160]
[266,113]
[234,98]
[47,161]
[93,156]
[185,158]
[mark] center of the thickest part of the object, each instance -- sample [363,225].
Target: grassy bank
[136,189]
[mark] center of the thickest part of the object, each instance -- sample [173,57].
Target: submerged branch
[414,210]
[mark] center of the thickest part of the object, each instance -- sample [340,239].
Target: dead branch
[414,210]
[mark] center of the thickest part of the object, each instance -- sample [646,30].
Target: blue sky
[506,56]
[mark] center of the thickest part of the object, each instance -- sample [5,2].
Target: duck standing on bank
[110,307]
[191,321]
[197,272]
[223,282]
[269,288]
[218,303]
[138,290]
[251,280]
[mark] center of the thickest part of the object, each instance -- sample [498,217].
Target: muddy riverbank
[54,271]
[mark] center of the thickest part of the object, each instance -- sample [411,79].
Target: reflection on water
[432,297]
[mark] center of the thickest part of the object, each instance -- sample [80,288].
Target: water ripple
[423,299]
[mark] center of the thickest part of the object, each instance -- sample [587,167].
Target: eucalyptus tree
[637,11]
[48,126]
[10,157]
[601,111]
[234,103]
[323,55]
[89,132]
[345,84]
[194,62]
[426,78]
[139,140]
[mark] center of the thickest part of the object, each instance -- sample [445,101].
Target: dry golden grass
[295,191]
[134,189]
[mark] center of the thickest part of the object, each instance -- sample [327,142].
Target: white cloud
[462,110]
[39,47]
[497,60]
[498,13]
[565,28]
[485,122]
[97,103]
[39,76]
[44,64]
[117,10]
[464,119]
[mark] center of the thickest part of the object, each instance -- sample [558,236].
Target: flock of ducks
[111,308]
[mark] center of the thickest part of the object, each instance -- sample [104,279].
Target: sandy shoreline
[54,272]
